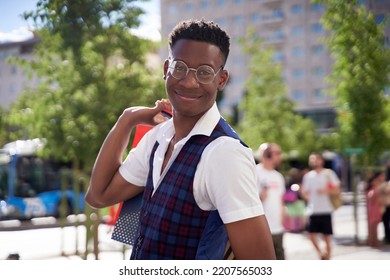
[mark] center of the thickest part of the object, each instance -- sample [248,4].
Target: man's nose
[190,80]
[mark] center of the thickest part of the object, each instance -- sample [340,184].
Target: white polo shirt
[319,203]
[225,179]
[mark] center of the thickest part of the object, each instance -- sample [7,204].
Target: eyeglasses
[204,74]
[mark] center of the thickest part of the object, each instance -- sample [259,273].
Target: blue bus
[31,186]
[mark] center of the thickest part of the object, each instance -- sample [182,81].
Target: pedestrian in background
[384,192]
[374,207]
[295,205]
[272,187]
[317,186]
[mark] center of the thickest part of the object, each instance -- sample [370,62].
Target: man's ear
[224,77]
[166,64]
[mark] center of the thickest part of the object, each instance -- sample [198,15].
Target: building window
[316,27]
[255,17]
[277,35]
[317,49]
[297,31]
[318,94]
[204,4]
[298,52]
[3,54]
[298,95]
[298,73]
[238,19]
[172,9]
[277,13]
[379,19]
[188,7]
[278,56]
[318,71]
[221,2]
[297,9]
[221,22]
[317,7]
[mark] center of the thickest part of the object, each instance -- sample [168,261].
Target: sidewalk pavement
[299,247]
[61,243]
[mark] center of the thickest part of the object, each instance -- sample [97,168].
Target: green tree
[268,115]
[359,76]
[3,136]
[91,68]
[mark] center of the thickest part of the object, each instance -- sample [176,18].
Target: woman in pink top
[374,207]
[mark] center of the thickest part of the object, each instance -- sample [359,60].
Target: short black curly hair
[201,30]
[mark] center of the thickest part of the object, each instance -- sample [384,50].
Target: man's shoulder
[310,173]
[225,142]
[227,148]
[310,176]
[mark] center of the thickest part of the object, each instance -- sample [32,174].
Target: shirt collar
[204,126]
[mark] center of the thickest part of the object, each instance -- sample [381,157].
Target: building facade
[291,27]
[12,78]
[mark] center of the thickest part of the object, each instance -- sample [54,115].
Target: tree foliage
[359,76]
[91,68]
[268,115]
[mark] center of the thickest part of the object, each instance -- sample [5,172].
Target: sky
[14,28]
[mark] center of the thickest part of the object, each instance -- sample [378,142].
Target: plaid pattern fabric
[171,223]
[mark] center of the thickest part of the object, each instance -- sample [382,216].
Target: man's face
[316,161]
[188,97]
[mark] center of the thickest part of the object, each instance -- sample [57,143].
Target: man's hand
[107,186]
[146,115]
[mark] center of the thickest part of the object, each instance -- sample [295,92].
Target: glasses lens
[178,69]
[205,74]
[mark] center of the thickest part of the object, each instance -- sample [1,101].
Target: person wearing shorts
[316,187]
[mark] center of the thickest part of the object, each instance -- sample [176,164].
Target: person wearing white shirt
[317,185]
[272,186]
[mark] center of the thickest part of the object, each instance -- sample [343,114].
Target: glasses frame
[171,69]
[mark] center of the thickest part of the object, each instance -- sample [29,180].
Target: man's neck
[183,126]
[268,166]
[318,169]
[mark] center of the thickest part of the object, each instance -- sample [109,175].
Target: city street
[56,243]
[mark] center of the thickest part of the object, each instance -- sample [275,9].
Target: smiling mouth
[188,97]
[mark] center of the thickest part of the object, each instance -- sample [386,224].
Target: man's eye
[205,72]
[180,69]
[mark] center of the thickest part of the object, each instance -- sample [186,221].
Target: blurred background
[308,75]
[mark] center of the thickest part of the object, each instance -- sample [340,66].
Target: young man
[272,187]
[197,177]
[316,187]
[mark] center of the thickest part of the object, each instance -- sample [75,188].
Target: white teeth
[188,97]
